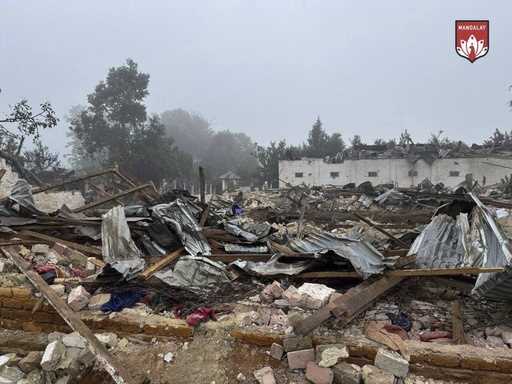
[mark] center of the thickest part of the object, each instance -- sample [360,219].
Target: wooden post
[202,186]
[116,371]
[114,197]
[457,323]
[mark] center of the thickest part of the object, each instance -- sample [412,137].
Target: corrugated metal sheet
[365,259]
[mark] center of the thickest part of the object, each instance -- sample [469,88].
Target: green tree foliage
[229,151]
[40,159]
[268,158]
[499,139]
[21,123]
[115,128]
[320,143]
[190,131]
[356,141]
[405,138]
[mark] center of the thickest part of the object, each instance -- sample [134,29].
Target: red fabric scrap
[427,336]
[199,315]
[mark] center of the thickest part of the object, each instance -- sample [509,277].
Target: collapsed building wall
[401,172]
[46,201]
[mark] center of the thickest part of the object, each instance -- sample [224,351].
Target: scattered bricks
[392,362]
[59,289]
[345,373]
[276,351]
[374,375]
[265,375]
[271,292]
[52,355]
[314,296]
[295,343]
[319,375]
[5,292]
[78,298]
[300,359]
[31,361]
[98,300]
[332,355]
[74,340]
[293,296]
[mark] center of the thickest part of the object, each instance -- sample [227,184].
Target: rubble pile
[338,285]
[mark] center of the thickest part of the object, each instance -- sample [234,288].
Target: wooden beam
[162,263]
[349,305]
[406,272]
[128,181]
[206,212]
[457,323]
[116,371]
[88,176]
[70,244]
[113,197]
[202,185]
[378,228]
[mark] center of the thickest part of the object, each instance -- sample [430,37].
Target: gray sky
[268,68]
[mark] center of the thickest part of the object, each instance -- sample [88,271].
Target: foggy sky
[268,68]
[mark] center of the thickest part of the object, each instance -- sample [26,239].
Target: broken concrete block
[281,303]
[98,300]
[78,298]
[276,351]
[108,339]
[34,377]
[55,336]
[318,375]
[293,296]
[374,375]
[330,356]
[74,340]
[265,375]
[314,296]
[7,359]
[295,343]
[52,355]
[10,375]
[59,289]
[31,361]
[345,373]
[300,359]
[40,249]
[70,362]
[391,362]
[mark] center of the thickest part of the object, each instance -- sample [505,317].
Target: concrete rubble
[297,275]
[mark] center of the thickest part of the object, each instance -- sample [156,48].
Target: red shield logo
[472,38]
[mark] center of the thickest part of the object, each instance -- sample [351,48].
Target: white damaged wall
[46,201]
[401,172]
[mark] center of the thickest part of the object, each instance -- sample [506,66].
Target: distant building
[229,180]
[402,166]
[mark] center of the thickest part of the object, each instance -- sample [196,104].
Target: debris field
[356,284]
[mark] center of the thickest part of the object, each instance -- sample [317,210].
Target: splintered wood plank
[350,304]
[160,264]
[457,323]
[115,370]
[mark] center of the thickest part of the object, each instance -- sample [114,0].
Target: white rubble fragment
[331,356]
[78,298]
[314,296]
[391,362]
[108,338]
[168,357]
[52,355]
[74,340]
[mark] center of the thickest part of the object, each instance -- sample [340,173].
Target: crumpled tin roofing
[365,259]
